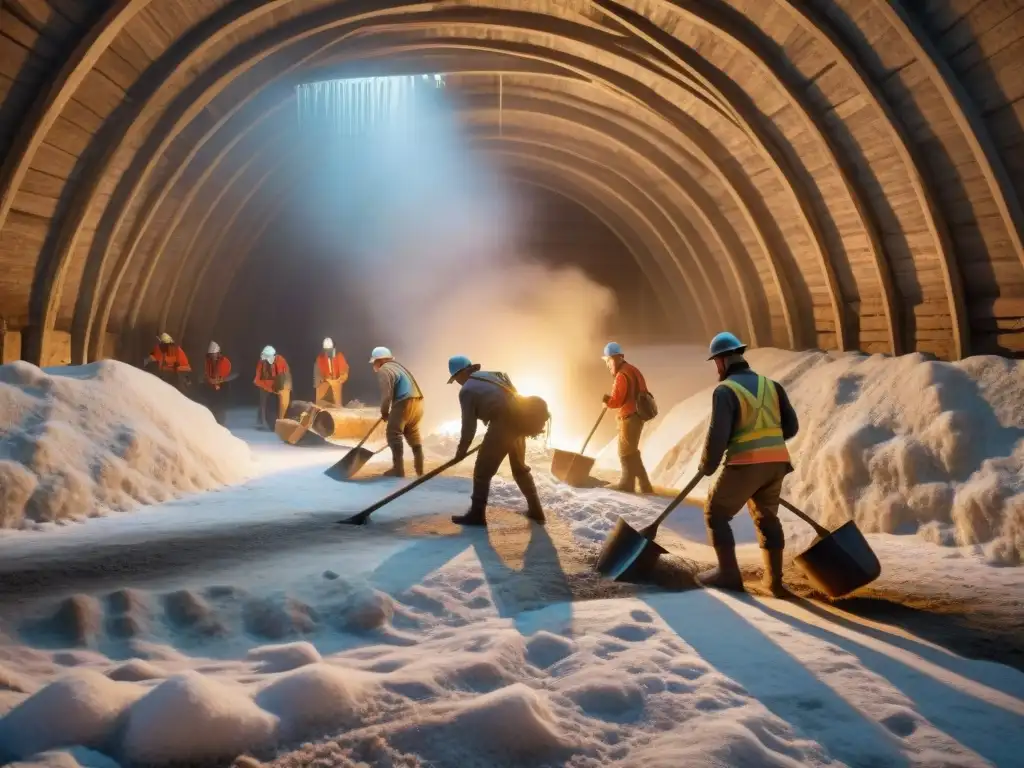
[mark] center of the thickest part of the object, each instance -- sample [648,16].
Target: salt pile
[902,445]
[84,441]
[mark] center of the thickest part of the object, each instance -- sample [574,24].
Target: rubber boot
[772,579]
[477,513]
[641,474]
[417,459]
[397,462]
[534,509]
[627,483]
[727,575]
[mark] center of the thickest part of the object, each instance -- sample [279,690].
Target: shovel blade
[841,562]
[349,465]
[628,555]
[571,468]
[358,519]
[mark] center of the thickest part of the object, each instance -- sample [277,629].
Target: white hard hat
[214,348]
[380,353]
[165,338]
[328,343]
[268,353]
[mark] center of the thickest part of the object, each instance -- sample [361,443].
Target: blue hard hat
[611,349]
[459,363]
[725,343]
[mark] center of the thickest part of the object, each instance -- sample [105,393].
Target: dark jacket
[483,401]
[725,412]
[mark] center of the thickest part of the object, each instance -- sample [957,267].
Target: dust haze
[431,228]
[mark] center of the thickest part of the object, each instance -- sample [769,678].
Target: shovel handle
[818,529]
[372,430]
[597,423]
[652,530]
[361,518]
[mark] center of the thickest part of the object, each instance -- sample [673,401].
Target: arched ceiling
[844,174]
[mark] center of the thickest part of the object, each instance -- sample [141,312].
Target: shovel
[574,468]
[629,553]
[362,517]
[838,562]
[354,460]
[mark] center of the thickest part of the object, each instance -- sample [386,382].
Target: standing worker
[628,386]
[330,371]
[215,374]
[170,361]
[490,397]
[401,405]
[751,420]
[274,379]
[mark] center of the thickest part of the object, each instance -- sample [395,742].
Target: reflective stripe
[758,437]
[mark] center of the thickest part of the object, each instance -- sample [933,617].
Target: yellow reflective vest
[757,438]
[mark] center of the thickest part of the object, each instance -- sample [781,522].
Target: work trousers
[273,406]
[404,421]
[500,441]
[630,429]
[757,485]
[328,393]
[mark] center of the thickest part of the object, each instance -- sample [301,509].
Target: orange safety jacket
[757,437]
[173,359]
[628,381]
[217,369]
[333,368]
[266,373]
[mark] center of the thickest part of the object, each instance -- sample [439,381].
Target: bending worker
[629,382]
[751,420]
[274,379]
[490,397]
[401,405]
[330,371]
[170,361]
[215,373]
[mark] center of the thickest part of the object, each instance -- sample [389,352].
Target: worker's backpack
[530,413]
[646,407]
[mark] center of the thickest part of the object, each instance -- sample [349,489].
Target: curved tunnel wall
[846,174]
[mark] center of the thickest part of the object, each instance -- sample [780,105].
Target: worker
[330,371]
[274,379]
[751,420]
[628,384]
[170,362]
[215,375]
[490,397]
[401,406]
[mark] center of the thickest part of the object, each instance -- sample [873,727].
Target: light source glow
[359,105]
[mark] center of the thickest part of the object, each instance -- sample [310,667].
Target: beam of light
[360,105]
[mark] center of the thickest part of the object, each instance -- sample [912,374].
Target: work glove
[606,399]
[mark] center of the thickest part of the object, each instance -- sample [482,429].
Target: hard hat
[723,344]
[165,338]
[328,343]
[380,353]
[268,353]
[611,349]
[458,364]
[214,348]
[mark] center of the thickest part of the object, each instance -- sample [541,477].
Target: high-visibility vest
[757,438]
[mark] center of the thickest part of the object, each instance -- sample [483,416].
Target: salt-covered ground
[243,622]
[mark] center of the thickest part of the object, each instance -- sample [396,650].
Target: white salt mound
[83,441]
[902,445]
[191,718]
[317,697]
[81,708]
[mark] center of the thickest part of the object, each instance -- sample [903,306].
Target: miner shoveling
[751,420]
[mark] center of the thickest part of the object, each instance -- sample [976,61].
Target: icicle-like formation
[361,105]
